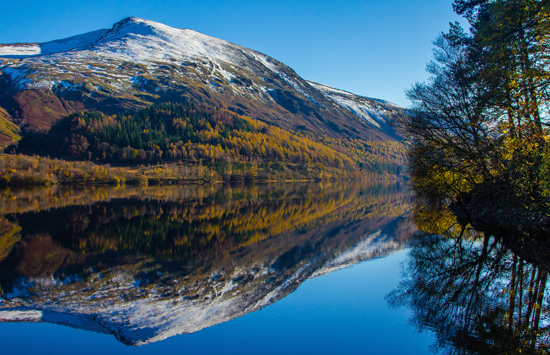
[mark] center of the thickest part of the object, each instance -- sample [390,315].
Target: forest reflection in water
[144,264]
[480,292]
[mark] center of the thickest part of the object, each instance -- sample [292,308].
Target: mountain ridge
[140,62]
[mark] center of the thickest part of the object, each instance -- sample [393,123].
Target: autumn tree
[480,122]
[510,43]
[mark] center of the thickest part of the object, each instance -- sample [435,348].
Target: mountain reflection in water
[481,293]
[144,264]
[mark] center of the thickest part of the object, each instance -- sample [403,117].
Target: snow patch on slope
[19,50]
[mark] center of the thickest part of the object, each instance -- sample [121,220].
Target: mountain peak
[138,22]
[131,19]
[138,26]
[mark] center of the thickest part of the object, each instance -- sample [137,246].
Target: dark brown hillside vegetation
[39,109]
[9,131]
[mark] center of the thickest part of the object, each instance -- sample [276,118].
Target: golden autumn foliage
[227,146]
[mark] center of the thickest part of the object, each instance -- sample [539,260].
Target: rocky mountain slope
[139,62]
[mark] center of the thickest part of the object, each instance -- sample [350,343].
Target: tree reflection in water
[145,264]
[479,293]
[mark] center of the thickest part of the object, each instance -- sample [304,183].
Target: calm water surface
[262,269]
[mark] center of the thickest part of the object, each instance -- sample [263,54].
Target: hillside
[234,147]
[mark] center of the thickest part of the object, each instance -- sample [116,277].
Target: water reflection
[144,264]
[479,293]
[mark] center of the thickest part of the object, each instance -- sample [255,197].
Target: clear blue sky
[376,48]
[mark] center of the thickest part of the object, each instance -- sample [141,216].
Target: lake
[310,268]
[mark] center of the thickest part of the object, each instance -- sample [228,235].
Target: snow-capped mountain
[138,62]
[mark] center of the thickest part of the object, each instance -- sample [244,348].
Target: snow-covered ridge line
[375,111]
[329,89]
